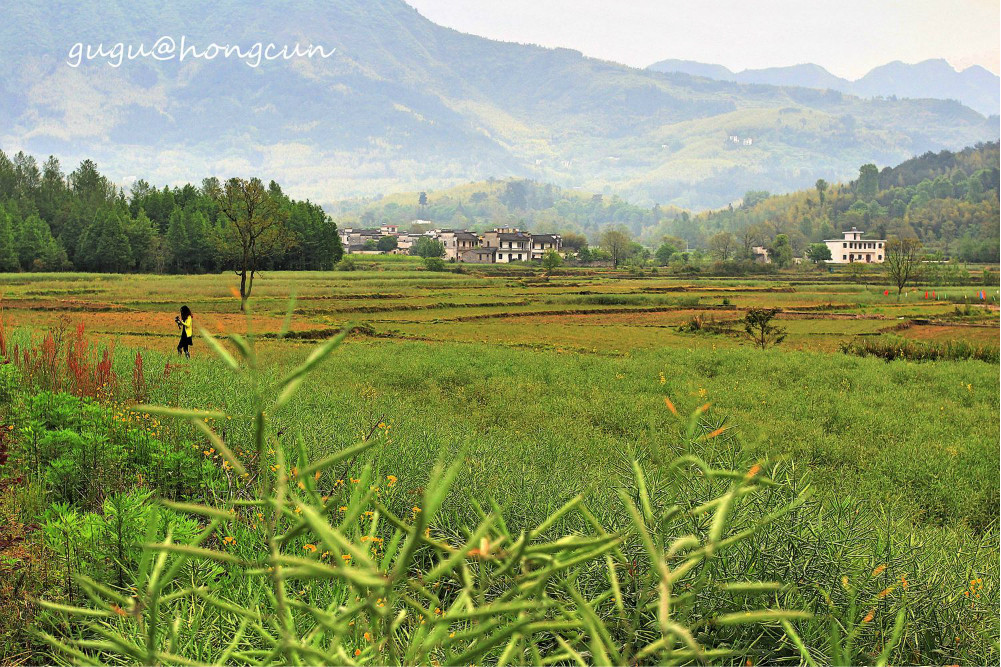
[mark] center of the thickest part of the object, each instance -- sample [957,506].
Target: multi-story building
[543,243]
[853,248]
[456,242]
[404,242]
[513,245]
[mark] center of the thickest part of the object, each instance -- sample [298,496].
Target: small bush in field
[759,328]
[82,450]
[699,323]
[434,264]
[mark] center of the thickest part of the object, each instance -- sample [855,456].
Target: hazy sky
[848,37]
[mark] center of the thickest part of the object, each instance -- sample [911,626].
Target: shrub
[82,450]
[759,328]
[742,267]
[698,323]
[346,264]
[434,264]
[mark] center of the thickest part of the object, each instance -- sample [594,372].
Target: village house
[853,248]
[404,242]
[479,256]
[513,245]
[354,240]
[456,242]
[542,243]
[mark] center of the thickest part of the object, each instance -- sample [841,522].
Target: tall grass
[891,348]
[329,560]
[322,571]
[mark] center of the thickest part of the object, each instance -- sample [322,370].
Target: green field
[543,389]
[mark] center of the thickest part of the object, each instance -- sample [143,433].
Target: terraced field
[588,313]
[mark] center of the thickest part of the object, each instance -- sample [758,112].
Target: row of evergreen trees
[50,221]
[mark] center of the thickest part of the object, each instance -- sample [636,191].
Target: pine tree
[141,232]
[177,240]
[32,238]
[8,253]
[113,251]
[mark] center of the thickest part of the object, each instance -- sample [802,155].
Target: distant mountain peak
[407,104]
[934,78]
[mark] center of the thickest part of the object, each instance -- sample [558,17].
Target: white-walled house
[853,248]
[543,243]
[512,244]
[456,242]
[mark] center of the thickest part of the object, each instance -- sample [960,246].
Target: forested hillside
[948,200]
[52,222]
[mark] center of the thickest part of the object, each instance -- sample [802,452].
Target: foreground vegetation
[379,513]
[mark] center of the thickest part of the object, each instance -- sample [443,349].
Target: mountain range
[404,103]
[974,86]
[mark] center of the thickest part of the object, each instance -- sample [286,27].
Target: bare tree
[750,237]
[616,243]
[902,261]
[256,229]
[722,246]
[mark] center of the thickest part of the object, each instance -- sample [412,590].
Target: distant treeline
[53,222]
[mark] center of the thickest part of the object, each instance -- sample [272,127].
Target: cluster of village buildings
[509,244]
[500,246]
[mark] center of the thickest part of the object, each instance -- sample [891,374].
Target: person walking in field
[184,324]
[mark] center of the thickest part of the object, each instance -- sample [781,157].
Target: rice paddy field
[542,389]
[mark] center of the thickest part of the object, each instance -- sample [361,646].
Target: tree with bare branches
[723,245]
[615,241]
[903,258]
[256,228]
